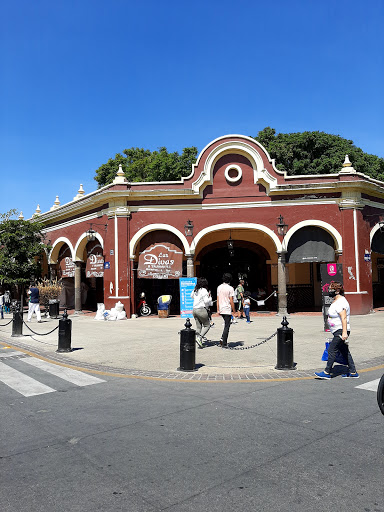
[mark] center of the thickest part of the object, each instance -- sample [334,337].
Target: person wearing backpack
[240,297]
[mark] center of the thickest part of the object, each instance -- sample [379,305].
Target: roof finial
[21,216]
[80,193]
[56,203]
[347,162]
[120,176]
[347,167]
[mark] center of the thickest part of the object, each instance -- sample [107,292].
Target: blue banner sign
[187,285]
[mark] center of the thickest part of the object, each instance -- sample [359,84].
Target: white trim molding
[240,147]
[373,232]
[82,242]
[234,226]
[156,227]
[54,254]
[315,223]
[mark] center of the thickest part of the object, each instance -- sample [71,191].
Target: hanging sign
[160,261]
[329,272]
[67,267]
[95,260]
[187,285]
[95,265]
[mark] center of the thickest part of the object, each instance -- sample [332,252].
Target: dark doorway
[154,288]
[248,263]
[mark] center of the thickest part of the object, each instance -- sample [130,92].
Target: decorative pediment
[247,148]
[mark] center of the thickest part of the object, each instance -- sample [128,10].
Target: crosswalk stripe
[370,386]
[73,376]
[11,354]
[22,383]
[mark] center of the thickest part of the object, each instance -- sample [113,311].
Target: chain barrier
[251,346]
[39,333]
[5,325]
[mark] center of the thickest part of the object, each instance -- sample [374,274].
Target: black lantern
[381,226]
[230,243]
[91,233]
[281,227]
[188,228]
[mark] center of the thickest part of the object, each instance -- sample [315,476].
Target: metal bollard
[65,333]
[285,347]
[187,348]
[17,322]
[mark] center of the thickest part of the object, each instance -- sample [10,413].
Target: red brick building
[234,192]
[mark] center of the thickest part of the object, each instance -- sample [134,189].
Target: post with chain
[285,347]
[17,322]
[65,333]
[187,348]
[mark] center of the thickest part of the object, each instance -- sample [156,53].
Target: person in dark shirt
[34,306]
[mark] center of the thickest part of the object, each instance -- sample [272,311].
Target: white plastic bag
[100,311]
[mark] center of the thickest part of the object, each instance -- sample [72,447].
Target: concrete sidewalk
[150,347]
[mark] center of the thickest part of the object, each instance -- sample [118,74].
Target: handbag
[339,357]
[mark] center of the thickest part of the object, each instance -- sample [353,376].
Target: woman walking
[338,322]
[201,302]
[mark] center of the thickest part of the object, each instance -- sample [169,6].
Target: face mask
[332,293]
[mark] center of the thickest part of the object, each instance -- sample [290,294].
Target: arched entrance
[166,246]
[248,262]
[308,246]
[377,258]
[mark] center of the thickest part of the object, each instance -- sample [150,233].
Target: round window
[233,173]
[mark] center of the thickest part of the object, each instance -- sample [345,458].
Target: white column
[282,284]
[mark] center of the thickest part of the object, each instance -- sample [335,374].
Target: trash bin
[54,305]
[163,303]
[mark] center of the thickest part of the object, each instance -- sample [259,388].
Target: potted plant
[49,291]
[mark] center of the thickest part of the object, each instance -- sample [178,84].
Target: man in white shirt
[225,305]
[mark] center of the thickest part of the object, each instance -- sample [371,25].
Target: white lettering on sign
[160,261]
[95,265]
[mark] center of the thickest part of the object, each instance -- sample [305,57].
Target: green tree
[21,243]
[317,153]
[141,164]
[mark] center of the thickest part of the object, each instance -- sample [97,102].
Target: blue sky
[82,80]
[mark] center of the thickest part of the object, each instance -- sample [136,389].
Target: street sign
[187,285]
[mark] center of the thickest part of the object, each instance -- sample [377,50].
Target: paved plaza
[150,347]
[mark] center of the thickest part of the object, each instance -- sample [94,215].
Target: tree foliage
[317,153]
[143,165]
[20,247]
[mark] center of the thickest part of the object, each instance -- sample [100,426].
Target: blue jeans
[337,344]
[246,311]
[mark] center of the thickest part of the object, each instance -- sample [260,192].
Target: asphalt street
[129,444]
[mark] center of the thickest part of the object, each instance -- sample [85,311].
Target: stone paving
[150,347]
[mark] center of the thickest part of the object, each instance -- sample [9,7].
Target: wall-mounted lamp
[188,228]
[281,227]
[381,226]
[91,233]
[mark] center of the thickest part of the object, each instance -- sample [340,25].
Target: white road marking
[22,383]
[370,386]
[11,354]
[73,376]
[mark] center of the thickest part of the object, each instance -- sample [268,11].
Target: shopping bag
[339,357]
